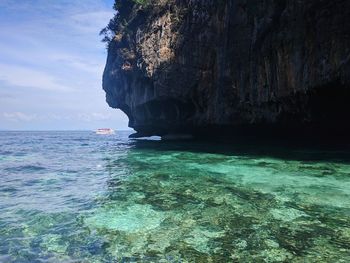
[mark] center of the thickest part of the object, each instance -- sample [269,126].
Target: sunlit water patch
[79,197]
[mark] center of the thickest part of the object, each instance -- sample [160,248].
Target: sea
[74,196]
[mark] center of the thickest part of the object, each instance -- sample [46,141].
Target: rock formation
[199,66]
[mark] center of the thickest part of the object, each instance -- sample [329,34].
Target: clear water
[79,197]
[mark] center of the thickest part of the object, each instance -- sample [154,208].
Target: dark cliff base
[302,135]
[278,69]
[326,118]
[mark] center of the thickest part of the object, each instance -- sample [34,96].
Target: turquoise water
[79,197]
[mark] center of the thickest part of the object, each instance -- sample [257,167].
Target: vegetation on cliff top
[119,18]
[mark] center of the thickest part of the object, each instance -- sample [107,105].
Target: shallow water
[79,197]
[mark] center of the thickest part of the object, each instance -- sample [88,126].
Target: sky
[51,65]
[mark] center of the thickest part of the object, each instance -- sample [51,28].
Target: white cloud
[86,117]
[50,55]
[19,116]
[25,77]
[76,62]
[6,96]
[94,116]
[45,6]
[91,22]
[51,65]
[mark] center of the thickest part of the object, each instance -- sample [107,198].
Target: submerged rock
[201,66]
[137,218]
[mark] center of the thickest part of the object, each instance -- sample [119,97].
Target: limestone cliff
[177,66]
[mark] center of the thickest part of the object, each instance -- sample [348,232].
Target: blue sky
[51,64]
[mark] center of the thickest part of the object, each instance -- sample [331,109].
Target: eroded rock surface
[192,66]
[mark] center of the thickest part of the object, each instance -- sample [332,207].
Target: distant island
[205,66]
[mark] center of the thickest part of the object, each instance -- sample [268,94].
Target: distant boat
[105,131]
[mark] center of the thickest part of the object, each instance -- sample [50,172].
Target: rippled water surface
[79,197]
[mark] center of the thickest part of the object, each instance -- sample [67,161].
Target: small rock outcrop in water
[201,65]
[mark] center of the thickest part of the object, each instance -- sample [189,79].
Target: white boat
[105,131]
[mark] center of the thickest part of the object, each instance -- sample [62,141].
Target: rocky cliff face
[178,66]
